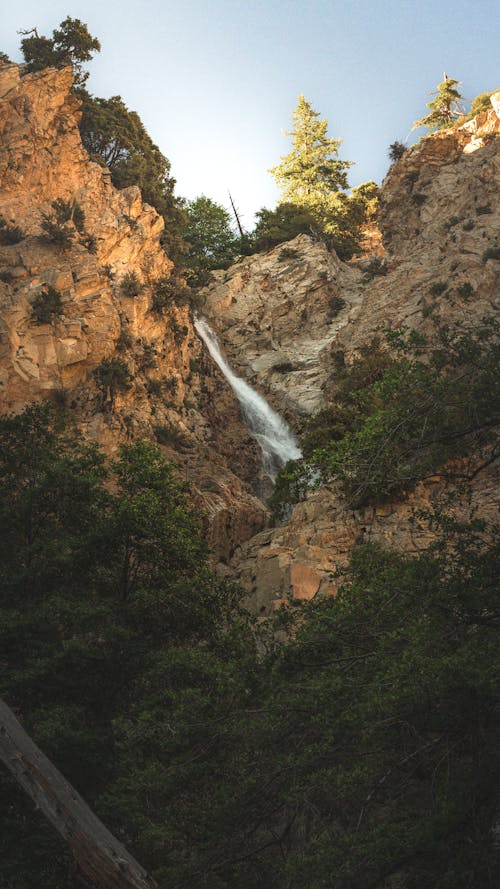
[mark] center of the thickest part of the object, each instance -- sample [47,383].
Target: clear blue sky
[215,82]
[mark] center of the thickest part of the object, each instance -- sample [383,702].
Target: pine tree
[312,170]
[444,108]
[313,178]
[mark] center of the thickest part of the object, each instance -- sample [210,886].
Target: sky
[215,82]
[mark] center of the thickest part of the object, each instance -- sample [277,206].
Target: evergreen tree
[444,108]
[313,178]
[116,137]
[312,170]
[70,44]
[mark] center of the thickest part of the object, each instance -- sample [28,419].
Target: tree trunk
[98,853]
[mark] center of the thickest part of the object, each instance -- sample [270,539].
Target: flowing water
[277,441]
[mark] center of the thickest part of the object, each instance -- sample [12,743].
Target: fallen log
[101,857]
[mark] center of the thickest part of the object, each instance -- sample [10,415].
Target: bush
[124,341]
[396,151]
[283,367]
[287,253]
[170,435]
[438,288]
[380,438]
[130,285]
[465,290]
[89,242]
[46,306]
[154,387]
[282,224]
[335,305]
[167,292]
[148,360]
[179,331]
[10,234]
[112,375]
[376,266]
[491,253]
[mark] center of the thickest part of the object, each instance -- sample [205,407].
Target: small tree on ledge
[444,108]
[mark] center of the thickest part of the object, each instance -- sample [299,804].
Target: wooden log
[101,857]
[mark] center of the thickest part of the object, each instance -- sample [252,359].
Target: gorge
[243,702]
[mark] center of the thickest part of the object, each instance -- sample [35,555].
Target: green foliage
[382,435]
[46,306]
[170,291]
[112,376]
[444,108]
[282,224]
[10,234]
[212,243]
[465,290]
[367,196]
[438,288]
[480,103]
[491,253]
[363,744]
[396,151]
[312,179]
[288,253]
[130,285]
[58,225]
[170,435]
[116,138]
[335,305]
[283,367]
[70,44]
[312,170]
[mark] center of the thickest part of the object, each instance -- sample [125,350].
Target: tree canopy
[70,44]
[116,137]
[212,243]
[355,740]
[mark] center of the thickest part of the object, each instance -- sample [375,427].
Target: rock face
[285,314]
[175,395]
[282,316]
[277,314]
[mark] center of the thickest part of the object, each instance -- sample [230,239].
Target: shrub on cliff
[112,376]
[130,285]
[396,150]
[379,437]
[10,234]
[46,306]
[282,224]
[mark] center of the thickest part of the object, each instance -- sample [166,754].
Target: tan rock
[304,581]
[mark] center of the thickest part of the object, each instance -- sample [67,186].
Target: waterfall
[277,441]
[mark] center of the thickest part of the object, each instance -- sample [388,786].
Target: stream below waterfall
[273,434]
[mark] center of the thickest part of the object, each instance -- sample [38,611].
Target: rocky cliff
[284,315]
[175,395]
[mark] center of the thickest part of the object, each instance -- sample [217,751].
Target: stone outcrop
[282,317]
[440,220]
[175,394]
